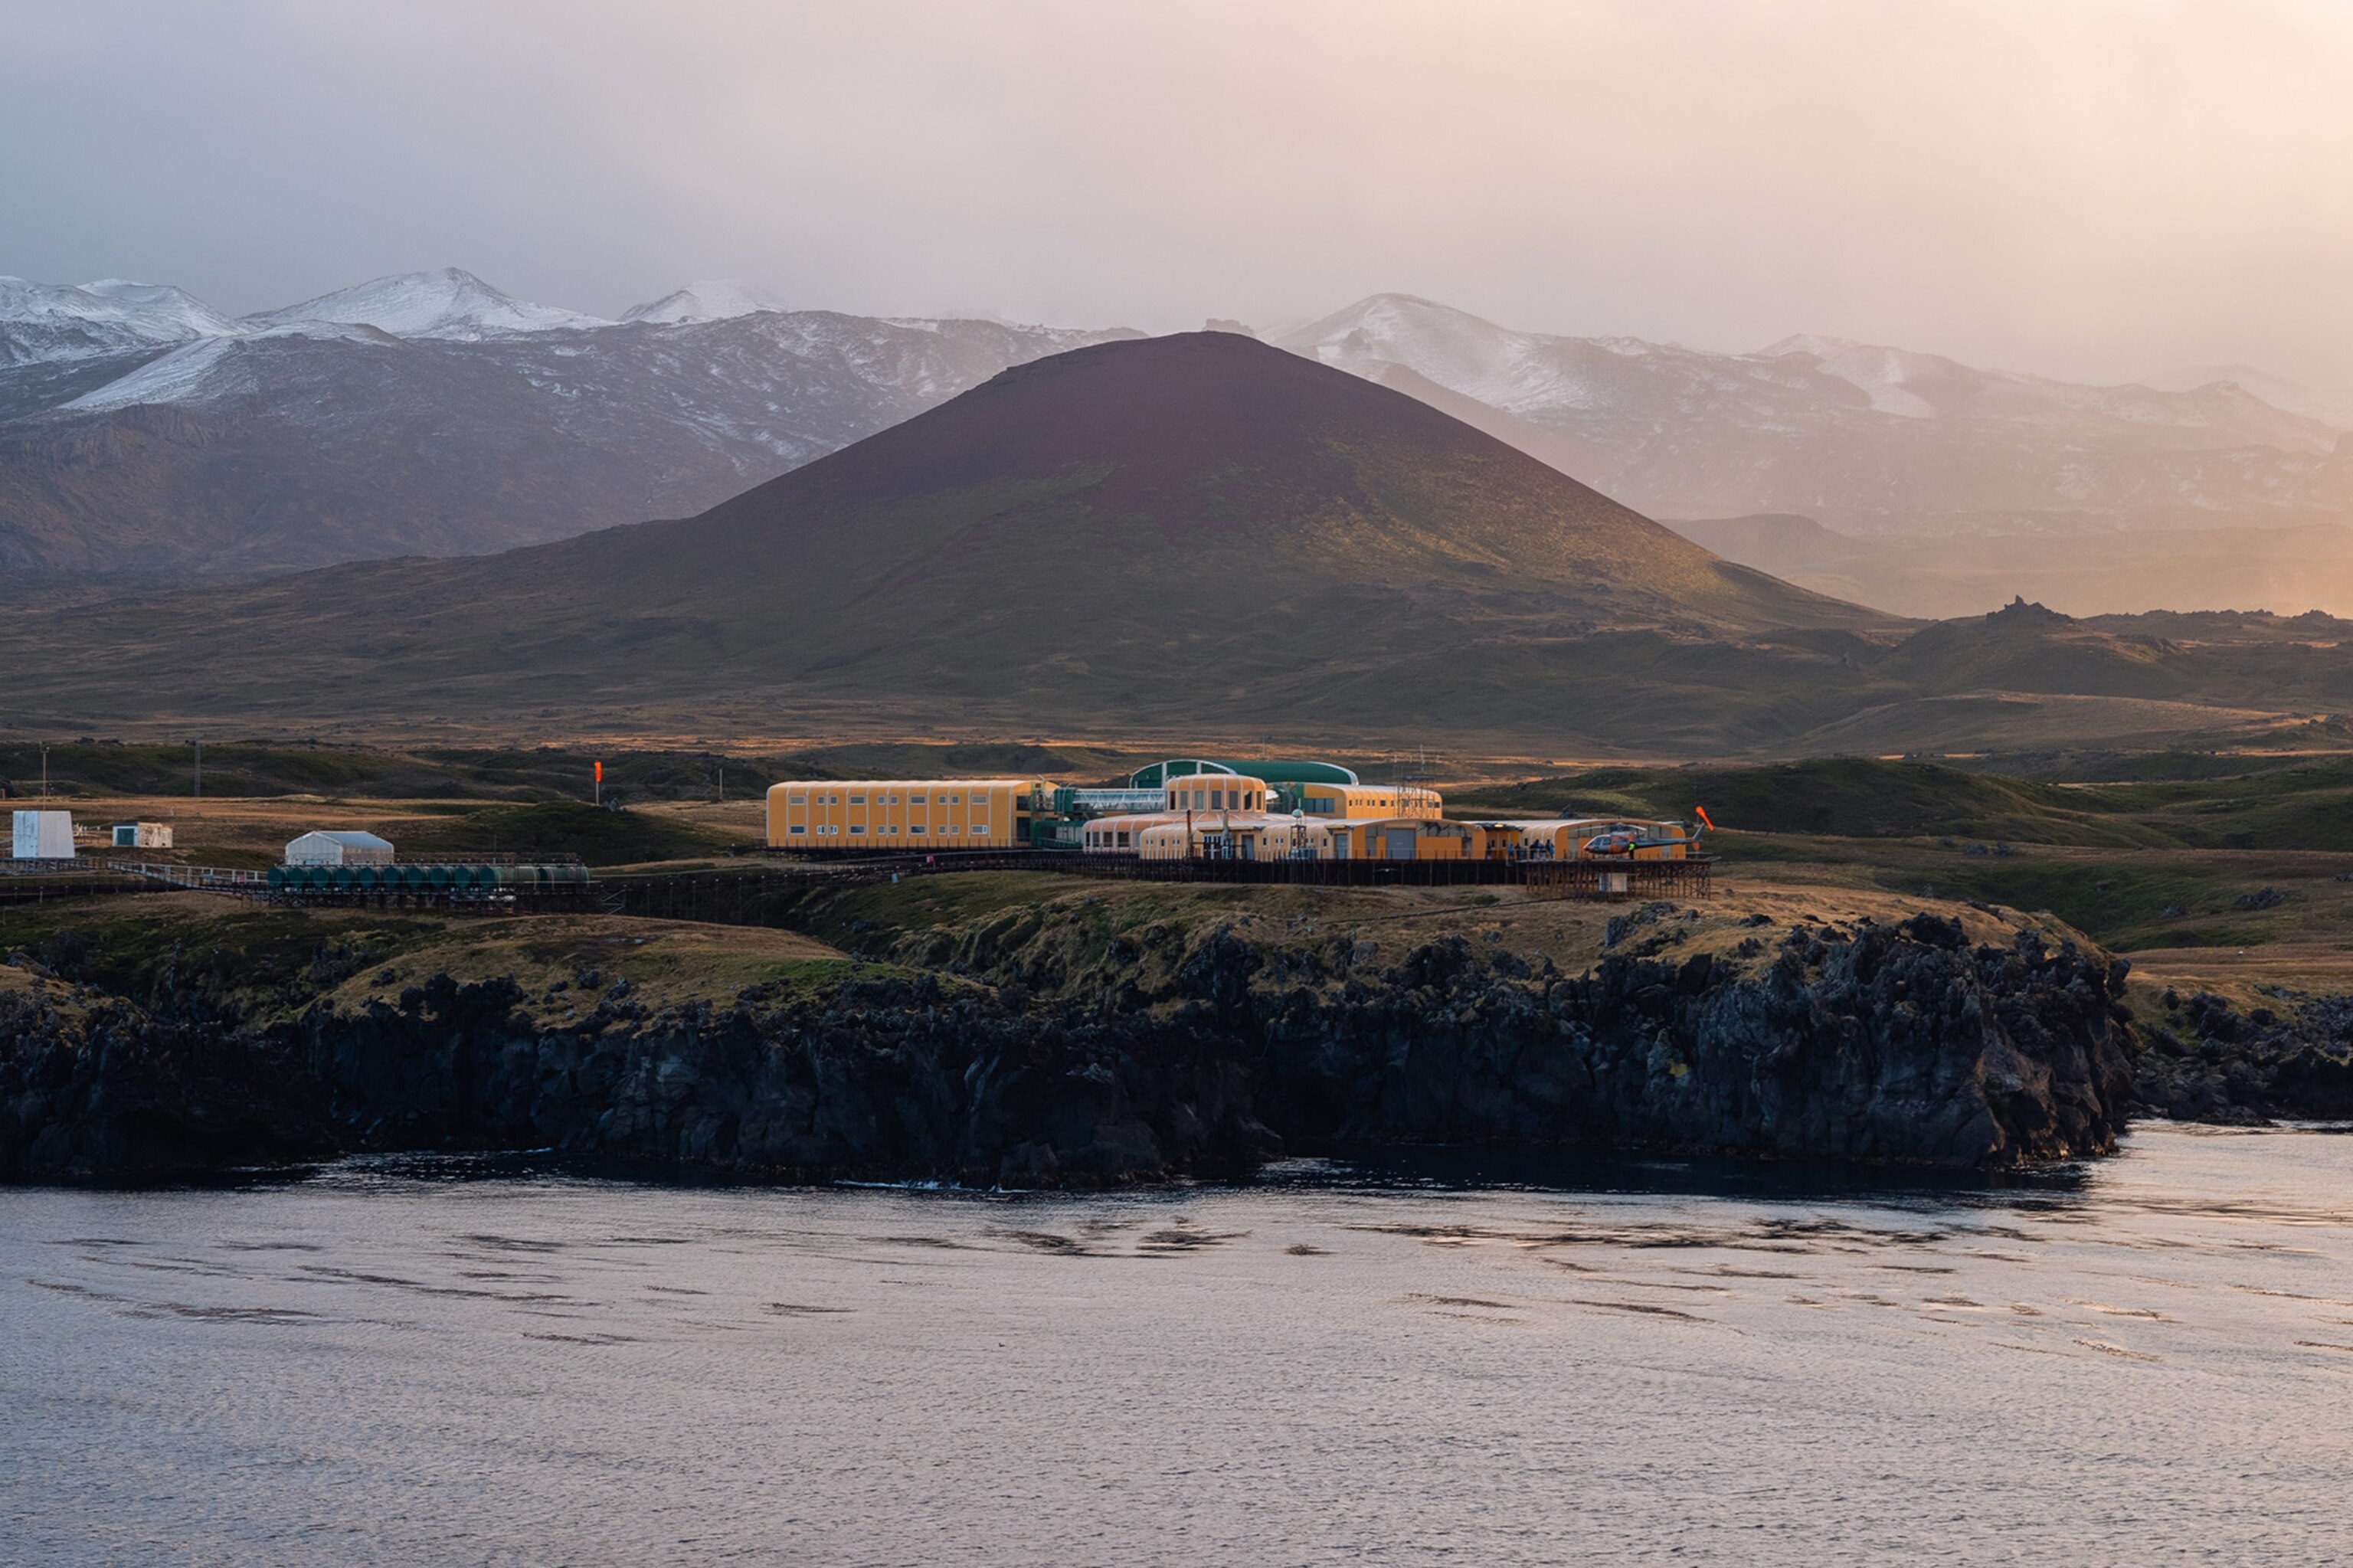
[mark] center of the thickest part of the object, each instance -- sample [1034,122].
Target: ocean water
[2146,1360]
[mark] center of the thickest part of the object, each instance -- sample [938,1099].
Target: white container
[143,835]
[43,835]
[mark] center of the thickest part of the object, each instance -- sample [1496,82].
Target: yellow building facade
[1198,793]
[1367,802]
[905,813]
[1220,815]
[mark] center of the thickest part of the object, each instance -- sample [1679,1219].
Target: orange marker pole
[600,782]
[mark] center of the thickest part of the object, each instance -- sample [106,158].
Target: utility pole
[200,767]
[722,781]
[44,771]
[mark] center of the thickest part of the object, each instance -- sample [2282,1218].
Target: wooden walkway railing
[744,896]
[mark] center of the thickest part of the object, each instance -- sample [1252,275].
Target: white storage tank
[43,835]
[338,846]
[143,835]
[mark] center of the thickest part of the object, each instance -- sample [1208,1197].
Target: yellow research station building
[1198,793]
[1189,813]
[905,813]
[1225,816]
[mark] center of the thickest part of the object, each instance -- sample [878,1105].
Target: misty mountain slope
[39,386]
[2227,568]
[2332,407]
[468,424]
[1196,531]
[1869,440]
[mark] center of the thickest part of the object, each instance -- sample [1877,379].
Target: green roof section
[1276,771]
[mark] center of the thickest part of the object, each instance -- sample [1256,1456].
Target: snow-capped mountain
[449,303]
[1872,439]
[431,414]
[711,301]
[48,322]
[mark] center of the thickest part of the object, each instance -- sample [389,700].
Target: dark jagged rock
[2210,1062]
[108,1092]
[882,1079]
[1169,1050]
[1903,1044]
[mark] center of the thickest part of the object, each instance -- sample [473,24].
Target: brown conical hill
[1199,531]
[1209,464]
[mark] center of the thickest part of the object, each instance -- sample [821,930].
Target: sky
[2097,190]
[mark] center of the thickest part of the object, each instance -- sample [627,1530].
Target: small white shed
[337,846]
[43,835]
[143,835]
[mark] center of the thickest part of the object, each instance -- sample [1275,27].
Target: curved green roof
[1276,771]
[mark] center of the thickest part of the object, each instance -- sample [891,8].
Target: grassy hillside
[249,769]
[559,827]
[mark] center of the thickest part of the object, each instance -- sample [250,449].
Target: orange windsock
[1702,818]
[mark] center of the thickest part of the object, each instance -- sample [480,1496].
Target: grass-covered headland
[1942,932]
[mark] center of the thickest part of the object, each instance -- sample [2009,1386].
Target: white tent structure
[339,847]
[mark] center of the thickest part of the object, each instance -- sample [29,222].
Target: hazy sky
[2099,190]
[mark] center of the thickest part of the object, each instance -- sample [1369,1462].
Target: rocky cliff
[105,1090]
[2209,1062]
[1021,1055]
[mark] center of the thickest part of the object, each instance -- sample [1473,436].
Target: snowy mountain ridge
[1872,437]
[712,300]
[41,323]
[141,430]
[449,302]
[284,441]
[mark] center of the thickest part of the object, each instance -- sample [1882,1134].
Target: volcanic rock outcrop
[1190,1051]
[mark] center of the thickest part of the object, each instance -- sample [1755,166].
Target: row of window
[916,829]
[889,799]
[1214,800]
[1103,840]
[1321,805]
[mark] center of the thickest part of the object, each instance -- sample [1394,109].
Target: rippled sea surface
[1642,1361]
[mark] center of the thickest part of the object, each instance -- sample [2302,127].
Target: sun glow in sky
[2101,190]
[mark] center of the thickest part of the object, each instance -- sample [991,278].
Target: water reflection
[1432,1170]
[1408,1357]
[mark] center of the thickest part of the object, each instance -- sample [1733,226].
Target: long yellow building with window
[905,813]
